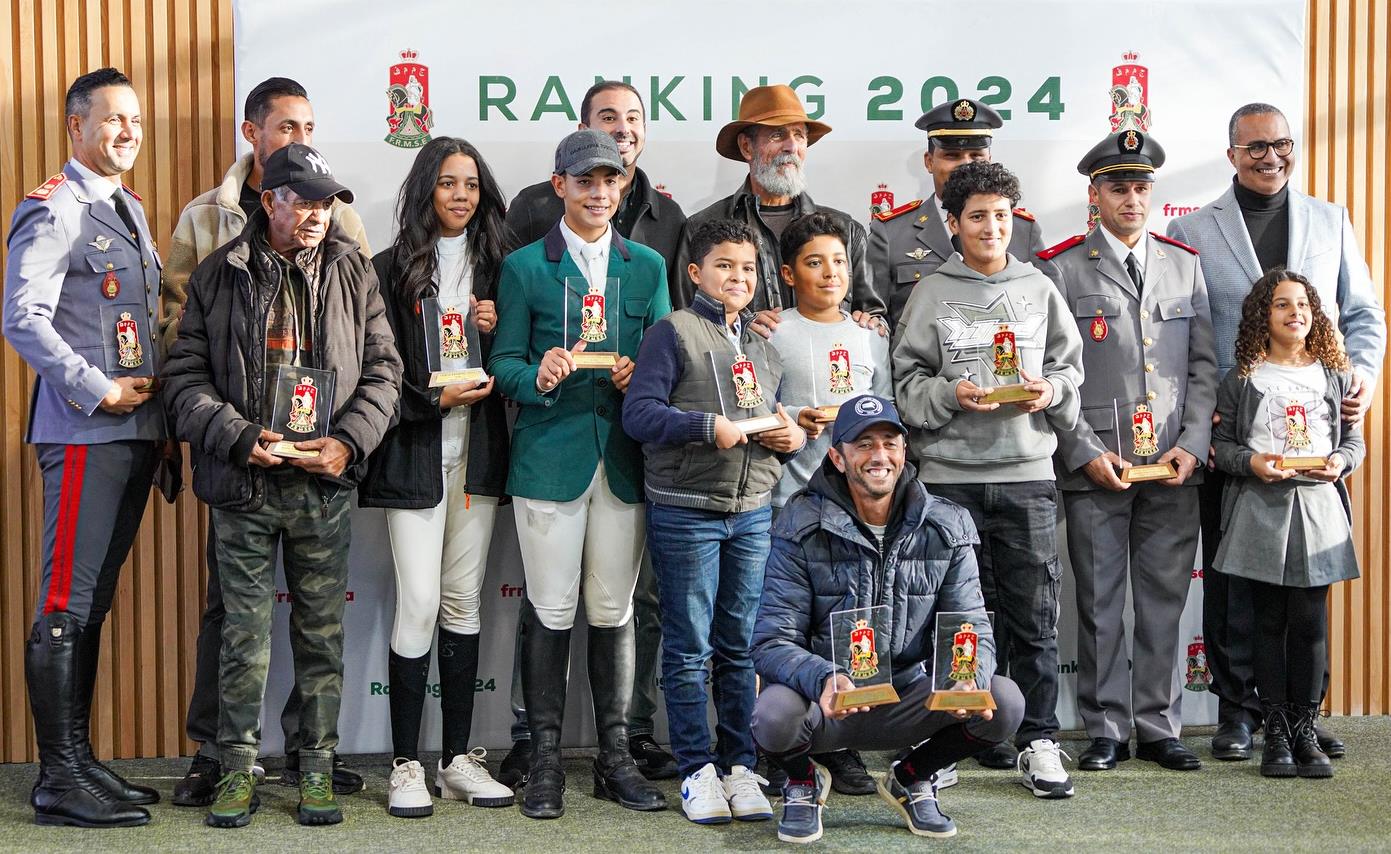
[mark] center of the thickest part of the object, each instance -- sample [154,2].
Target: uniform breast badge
[1099,329]
[110,285]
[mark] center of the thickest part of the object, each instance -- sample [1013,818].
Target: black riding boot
[88,651]
[1309,758]
[458,657]
[67,793]
[407,677]
[616,775]
[545,655]
[1276,758]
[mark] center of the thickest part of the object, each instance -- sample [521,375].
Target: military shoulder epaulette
[898,211]
[44,190]
[133,194]
[1164,238]
[1023,214]
[1054,251]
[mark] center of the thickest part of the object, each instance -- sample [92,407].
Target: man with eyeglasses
[1259,223]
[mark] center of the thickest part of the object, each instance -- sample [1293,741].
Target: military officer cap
[962,123]
[1128,155]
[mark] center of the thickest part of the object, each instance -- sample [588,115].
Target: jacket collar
[712,309]
[838,514]
[745,197]
[644,194]
[555,244]
[229,192]
[335,245]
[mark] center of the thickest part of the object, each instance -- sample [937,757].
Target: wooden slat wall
[1347,159]
[179,53]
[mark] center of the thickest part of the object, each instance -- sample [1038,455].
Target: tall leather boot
[546,652]
[88,651]
[66,792]
[1309,758]
[616,775]
[1276,758]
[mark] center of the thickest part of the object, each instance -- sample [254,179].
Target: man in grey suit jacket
[81,292]
[1141,306]
[1258,223]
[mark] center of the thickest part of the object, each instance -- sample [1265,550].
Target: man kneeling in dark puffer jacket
[865,532]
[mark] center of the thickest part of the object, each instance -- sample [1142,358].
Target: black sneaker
[346,781]
[516,765]
[848,774]
[776,777]
[198,787]
[654,762]
[1002,756]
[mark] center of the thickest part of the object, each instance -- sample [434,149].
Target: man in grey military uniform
[1142,308]
[908,244]
[81,292]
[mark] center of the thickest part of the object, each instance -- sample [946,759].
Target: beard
[770,175]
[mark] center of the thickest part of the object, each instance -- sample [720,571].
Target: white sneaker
[746,799]
[703,797]
[407,796]
[1041,769]
[946,778]
[465,779]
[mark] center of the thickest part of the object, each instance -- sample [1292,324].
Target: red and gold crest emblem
[747,392]
[110,285]
[864,657]
[841,383]
[963,654]
[453,344]
[1198,676]
[304,407]
[1142,428]
[881,200]
[1296,427]
[129,353]
[1006,354]
[593,326]
[1130,95]
[964,111]
[408,97]
[1099,329]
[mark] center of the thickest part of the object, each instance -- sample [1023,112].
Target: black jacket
[772,291]
[657,225]
[214,379]
[404,472]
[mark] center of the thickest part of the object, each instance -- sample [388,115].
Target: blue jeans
[709,570]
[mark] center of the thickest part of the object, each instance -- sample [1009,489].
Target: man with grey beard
[772,135]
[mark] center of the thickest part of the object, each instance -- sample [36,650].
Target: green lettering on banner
[706,96]
[816,101]
[661,95]
[877,109]
[1049,99]
[485,100]
[377,689]
[930,87]
[737,90]
[553,89]
[999,92]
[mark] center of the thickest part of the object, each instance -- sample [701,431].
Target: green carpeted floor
[1138,807]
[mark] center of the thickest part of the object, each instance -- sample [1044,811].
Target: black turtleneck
[1268,223]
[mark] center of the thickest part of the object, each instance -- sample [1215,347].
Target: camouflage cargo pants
[311,522]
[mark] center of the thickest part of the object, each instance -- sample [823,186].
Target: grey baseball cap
[586,150]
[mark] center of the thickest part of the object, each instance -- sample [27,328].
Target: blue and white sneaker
[1041,769]
[703,797]
[918,805]
[801,808]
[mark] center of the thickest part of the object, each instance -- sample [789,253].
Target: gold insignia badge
[964,111]
[918,254]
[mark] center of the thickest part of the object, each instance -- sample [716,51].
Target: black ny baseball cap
[304,170]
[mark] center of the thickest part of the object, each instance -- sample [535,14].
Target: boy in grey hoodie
[985,319]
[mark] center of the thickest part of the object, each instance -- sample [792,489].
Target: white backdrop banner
[510,79]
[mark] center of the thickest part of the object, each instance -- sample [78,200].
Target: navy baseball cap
[303,170]
[860,413]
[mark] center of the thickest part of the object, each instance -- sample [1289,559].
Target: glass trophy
[301,407]
[860,643]
[832,378]
[601,310]
[452,351]
[126,343]
[1005,367]
[1294,454]
[1144,443]
[955,664]
[743,399]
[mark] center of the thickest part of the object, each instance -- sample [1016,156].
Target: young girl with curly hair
[1287,530]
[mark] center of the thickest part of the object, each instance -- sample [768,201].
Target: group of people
[727,428]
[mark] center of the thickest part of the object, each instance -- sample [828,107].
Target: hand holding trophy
[955,666]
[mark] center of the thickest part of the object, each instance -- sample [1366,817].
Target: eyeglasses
[1258,149]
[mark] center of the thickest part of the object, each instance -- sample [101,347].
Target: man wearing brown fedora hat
[772,135]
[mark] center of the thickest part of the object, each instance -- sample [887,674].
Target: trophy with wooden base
[452,351]
[860,642]
[832,379]
[1297,440]
[742,397]
[601,313]
[1144,443]
[956,663]
[301,407]
[125,341]
[1005,357]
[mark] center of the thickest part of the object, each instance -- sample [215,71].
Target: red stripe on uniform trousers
[69,502]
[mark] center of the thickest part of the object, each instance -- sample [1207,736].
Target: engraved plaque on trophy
[301,407]
[956,663]
[599,315]
[743,400]
[452,351]
[860,642]
[1294,455]
[1005,367]
[1144,443]
[125,340]
[832,379]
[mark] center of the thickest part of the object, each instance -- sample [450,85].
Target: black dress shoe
[654,762]
[1103,754]
[1002,756]
[1232,743]
[1169,753]
[515,765]
[776,777]
[199,785]
[1330,744]
[848,774]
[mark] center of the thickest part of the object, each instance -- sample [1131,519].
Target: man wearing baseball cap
[772,135]
[293,291]
[865,507]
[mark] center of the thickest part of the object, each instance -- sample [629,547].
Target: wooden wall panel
[179,53]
